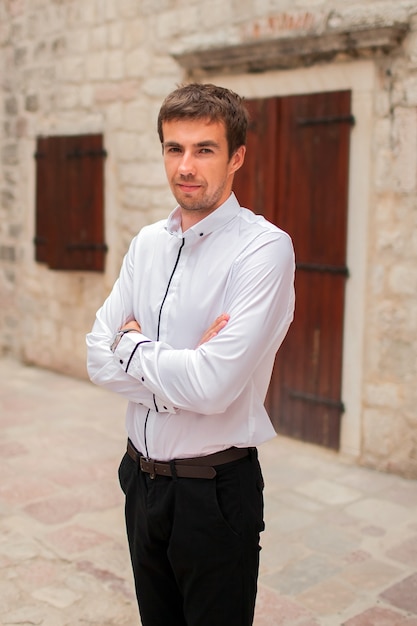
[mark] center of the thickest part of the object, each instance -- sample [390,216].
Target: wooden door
[296,174]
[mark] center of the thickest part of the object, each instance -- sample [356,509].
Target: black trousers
[194,544]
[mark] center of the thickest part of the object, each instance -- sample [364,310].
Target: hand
[219,323]
[133,325]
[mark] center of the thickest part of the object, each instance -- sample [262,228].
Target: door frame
[360,78]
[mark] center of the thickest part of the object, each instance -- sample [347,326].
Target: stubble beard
[205,204]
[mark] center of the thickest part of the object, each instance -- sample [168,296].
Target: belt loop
[152,471]
[173,470]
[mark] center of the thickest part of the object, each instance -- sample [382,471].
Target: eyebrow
[201,144]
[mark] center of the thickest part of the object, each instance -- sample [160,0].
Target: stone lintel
[292,51]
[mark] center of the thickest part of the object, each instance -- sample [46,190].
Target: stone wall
[74,66]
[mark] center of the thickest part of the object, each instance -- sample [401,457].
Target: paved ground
[340,546]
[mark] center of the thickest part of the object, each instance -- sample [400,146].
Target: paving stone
[299,576]
[373,531]
[370,574]
[366,480]
[328,492]
[330,540]
[38,573]
[284,520]
[357,556]
[386,513]
[75,538]
[403,595]
[405,552]
[57,596]
[24,490]
[27,615]
[403,492]
[277,554]
[12,449]
[297,501]
[329,597]
[376,616]
[55,510]
[273,609]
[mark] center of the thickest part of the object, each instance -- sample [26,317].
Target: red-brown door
[296,174]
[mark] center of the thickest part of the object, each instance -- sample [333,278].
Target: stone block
[135,33]
[87,12]
[115,35]
[115,61]
[128,8]
[78,41]
[96,66]
[139,63]
[136,116]
[405,152]
[114,115]
[128,146]
[383,432]
[98,38]
[383,394]
[72,69]
[402,279]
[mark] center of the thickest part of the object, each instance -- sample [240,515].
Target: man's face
[197,165]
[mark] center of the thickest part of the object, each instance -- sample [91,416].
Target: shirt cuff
[124,353]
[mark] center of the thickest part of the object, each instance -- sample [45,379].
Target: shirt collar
[217,219]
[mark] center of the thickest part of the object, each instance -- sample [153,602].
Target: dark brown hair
[206,101]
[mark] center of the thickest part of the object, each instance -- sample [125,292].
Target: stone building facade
[70,67]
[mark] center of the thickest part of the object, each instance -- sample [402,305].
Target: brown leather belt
[197,467]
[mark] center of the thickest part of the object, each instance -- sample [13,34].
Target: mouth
[188,187]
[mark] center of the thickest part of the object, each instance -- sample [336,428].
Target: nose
[186,166]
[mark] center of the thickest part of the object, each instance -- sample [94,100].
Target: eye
[206,151]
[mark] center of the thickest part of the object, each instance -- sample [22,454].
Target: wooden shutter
[70,203]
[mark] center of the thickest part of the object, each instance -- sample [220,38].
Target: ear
[237,159]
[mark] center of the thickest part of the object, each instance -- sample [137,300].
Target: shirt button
[165,408]
[143,380]
[121,361]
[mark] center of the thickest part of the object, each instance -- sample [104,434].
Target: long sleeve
[102,365]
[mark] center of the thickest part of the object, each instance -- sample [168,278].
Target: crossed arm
[219,323]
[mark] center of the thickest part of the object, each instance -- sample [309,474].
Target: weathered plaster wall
[73,66]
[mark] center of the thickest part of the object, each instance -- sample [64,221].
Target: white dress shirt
[184,400]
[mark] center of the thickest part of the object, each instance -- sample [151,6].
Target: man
[188,335]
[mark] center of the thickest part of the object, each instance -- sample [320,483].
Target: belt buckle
[151,471]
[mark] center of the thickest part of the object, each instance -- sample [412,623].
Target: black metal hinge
[79,154]
[319,267]
[330,119]
[100,247]
[309,397]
